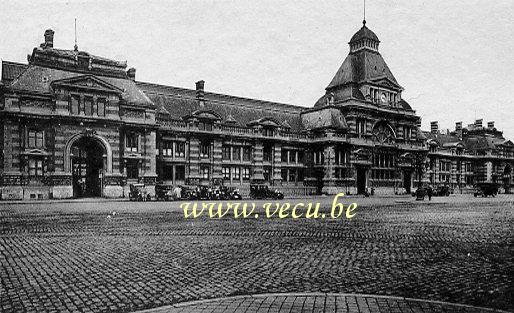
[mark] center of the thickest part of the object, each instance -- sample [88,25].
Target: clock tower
[371,134]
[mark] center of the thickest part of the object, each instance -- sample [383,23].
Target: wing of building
[78,125]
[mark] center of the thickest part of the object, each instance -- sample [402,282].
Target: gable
[86,82]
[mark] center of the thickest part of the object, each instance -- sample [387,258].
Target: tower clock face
[383,98]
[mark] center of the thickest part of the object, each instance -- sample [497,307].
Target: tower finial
[76,48]
[364,20]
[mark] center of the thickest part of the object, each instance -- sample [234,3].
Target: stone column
[217,156]
[329,181]
[193,157]
[257,161]
[277,164]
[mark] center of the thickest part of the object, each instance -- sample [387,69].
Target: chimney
[434,127]
[200,95]
[131,73]
[49,39]
[478,123]
[458,126]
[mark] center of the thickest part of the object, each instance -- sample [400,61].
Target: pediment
[386,82]
[206,114]
[508,143]
[265,121]
[87,82]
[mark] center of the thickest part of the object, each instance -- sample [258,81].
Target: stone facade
[79,125]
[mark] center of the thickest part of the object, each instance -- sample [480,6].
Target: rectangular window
[246,173]
[236,173]
[167,172]
[292,175]
[225,151]
[226,172]
[283,155]
[283,174]
[180,149]
[101,104]
[88,106]
[205,148]
[35,167]
[35,138]
[300,156]
[75,104]
[131,142]
[236,153]
[205,126]
[267,173]
[268,132]
[167,148]
[180,172]
[300,174]
[247,153]
[204,172]
[132,170]
[292,156]
[266,155]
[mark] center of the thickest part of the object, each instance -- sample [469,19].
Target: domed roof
[364,33]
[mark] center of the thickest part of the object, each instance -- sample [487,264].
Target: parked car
[201,193]
[442,191]
[264,192]
[421,193]
[486,189]
[164,192]
[138,192]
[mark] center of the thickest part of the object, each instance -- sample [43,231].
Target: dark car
[486,189]
[420,193]
[164,192]
[442,191]
[264,192]
[201,193]
[138,192]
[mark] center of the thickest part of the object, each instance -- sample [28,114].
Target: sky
[453,58]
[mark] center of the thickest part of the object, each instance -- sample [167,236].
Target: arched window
[383,134]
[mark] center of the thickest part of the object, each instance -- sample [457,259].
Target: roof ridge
[256,101]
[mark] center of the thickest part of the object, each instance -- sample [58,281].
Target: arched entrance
[87,167]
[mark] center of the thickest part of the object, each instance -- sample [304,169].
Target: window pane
[101,107]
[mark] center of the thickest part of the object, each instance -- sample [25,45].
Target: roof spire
[76,48]
[364,20]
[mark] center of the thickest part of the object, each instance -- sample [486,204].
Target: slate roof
[11,70]
[31,80]
[362,66]
[181,102]
[364,33]
[470,143]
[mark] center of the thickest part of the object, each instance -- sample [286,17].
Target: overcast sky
[454,58]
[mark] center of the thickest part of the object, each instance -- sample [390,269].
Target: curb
[313,294]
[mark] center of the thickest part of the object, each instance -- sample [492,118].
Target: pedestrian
[429,192]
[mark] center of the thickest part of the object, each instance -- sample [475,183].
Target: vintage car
[442,191]
[138,192]
[164,192]
[201,193]
[264,192]
[486,189]
[420,193]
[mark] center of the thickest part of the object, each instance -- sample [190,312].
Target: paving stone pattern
[79,257]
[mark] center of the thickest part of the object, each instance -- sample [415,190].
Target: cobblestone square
[82,257]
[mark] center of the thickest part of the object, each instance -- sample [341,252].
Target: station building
[78,125]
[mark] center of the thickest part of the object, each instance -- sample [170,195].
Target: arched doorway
[87,167]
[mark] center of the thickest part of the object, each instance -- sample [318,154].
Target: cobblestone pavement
[316,303]
[82,257]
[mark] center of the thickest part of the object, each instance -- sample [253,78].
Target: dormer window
[268,132]
[205,125]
